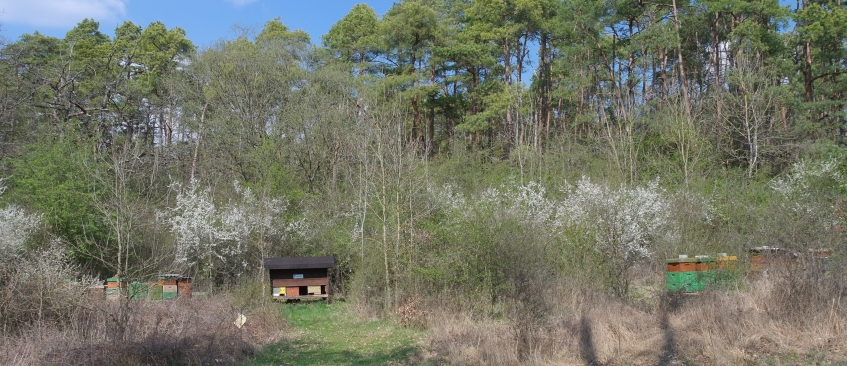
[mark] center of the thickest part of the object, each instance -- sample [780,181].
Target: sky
[204,21]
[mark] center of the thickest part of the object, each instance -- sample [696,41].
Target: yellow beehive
[727,261]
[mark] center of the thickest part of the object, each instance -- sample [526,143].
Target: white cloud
[240,3]
[60,13]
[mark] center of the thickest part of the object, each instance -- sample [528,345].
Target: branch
[833,73]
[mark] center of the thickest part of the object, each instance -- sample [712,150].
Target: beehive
[137,291]
[155,292]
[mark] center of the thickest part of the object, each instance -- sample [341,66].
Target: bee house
[299,277]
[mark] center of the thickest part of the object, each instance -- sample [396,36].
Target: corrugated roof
[299,262]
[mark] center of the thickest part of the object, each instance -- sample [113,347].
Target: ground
[332,334]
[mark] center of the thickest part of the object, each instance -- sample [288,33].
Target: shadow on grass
[586,342]
[669,303]
[669,348]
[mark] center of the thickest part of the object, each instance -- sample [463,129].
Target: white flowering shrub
[16,225]
[622,224]
[798,181]
[624,221]
[193,221]
[802,186]
[807,208]
[36,286]
[212,237]
[448,198]
[529,202]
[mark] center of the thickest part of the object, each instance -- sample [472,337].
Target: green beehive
[137,291]
[155,292]
[675,281]
[700,280]
[681,275]
[705,269]
[710,278]
[690,282]
[169,295]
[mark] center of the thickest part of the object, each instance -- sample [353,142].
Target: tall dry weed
[789,314]
[181,332]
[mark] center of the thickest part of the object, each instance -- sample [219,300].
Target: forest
[523,166]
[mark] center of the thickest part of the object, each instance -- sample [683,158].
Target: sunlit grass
[331,334]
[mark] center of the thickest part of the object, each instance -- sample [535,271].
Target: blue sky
[204,21]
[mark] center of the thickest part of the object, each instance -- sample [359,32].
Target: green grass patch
[331,334]
[820,358]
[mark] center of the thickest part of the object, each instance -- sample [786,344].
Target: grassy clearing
[323,334]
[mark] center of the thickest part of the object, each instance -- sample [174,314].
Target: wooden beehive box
[183,285]
[762,258]
[115,282]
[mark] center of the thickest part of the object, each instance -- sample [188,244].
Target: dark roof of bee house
[299,262]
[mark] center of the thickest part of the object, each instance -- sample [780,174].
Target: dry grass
[796,316]
[181,332]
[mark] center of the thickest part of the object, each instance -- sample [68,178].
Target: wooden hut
[299,277]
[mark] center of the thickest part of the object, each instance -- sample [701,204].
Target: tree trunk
[507,79]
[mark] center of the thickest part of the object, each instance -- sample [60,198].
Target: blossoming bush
[221,240]
[16,225]
[807,210]
[624,222]
[620,225]
[37,286]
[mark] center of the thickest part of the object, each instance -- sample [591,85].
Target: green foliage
[51,178]
[275,31]
[249,295]
[160,51]
[88,43]
[355,37]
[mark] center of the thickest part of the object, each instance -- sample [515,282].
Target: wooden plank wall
[311,277]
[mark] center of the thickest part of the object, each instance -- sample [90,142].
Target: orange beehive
[292,291]
[684,264]
[705,264]
[184,286]
[757,262]
[114,282]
